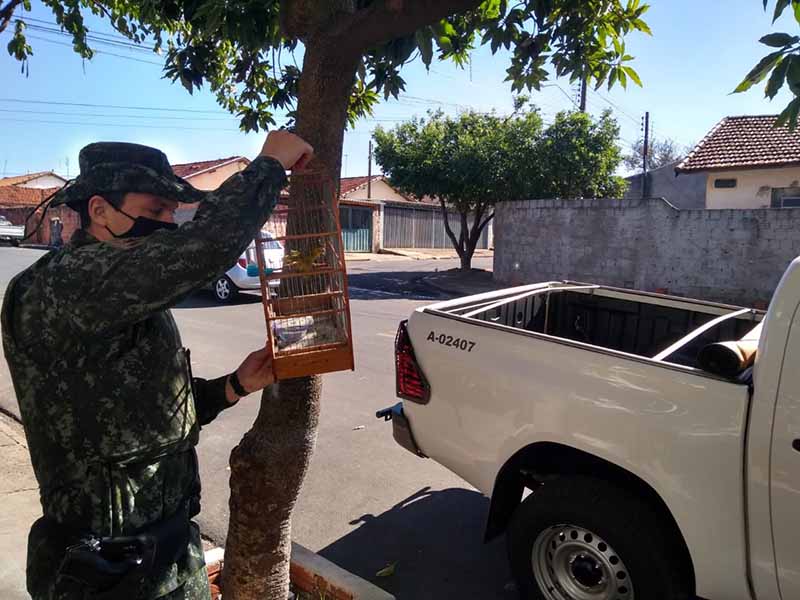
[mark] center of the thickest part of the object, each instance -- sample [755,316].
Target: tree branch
[486,222]
[450,234]
[387,20]
[7,12]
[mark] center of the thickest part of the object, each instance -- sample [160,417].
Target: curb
[314,574]
[409,255]
[425,280]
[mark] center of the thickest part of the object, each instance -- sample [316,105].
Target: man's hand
[255,373]
[290,150]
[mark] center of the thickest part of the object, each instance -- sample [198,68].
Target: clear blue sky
[699,52]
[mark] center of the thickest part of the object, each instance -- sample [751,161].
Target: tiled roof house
[749,162]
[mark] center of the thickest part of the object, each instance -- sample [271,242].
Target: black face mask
[142,226]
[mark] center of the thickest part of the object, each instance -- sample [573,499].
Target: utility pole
[583,93]
[644,153]
[369,172]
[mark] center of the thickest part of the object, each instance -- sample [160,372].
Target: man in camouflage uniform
[110,408]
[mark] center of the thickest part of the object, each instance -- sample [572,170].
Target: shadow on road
[205,299]
[436,539]
[387,285]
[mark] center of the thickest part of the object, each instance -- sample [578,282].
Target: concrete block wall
[735,256]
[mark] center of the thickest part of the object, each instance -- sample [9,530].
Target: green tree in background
[471,162]
[327,63]
[660,152]
[467,163]
[577,157]
[782,65]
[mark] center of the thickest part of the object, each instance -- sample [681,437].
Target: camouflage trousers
[195,588]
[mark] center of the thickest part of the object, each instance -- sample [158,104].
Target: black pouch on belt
[115,568]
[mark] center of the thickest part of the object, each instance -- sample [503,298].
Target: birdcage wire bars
[308,310]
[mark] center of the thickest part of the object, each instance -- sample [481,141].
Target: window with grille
[722,184]
[786,197]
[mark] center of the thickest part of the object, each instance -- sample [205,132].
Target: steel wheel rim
[223,289]
[573,563]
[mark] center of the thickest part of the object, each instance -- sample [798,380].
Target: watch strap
[237,386]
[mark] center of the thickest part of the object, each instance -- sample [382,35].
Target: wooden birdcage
[306,301]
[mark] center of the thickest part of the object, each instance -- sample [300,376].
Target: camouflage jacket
[110,410]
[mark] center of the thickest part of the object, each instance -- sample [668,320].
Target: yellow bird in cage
[303,261]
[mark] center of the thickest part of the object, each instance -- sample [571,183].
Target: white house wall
[380,191]
[211,180]
[753,187]
[44,181]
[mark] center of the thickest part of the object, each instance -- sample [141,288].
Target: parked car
[621,460]
[11,233]
[244,274]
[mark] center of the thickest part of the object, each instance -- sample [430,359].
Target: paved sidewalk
[19,497]
[433,253]
[364,256]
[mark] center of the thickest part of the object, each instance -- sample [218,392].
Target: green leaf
[642,26]
[789,115]
[777,78]
[612,78]
[387,571]
[796,6]
[759,72]
[779,40]
[633,75]
[425,44]
[623,78]
[793,74]
[779,8]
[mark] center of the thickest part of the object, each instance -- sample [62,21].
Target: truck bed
[653,326]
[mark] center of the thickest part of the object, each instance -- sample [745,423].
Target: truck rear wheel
[580,538]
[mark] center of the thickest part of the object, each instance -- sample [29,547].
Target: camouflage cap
[124,167]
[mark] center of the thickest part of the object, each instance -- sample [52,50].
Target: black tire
[628,532]
[224,290]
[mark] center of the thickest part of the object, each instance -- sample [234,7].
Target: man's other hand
[255,373]
[288,149]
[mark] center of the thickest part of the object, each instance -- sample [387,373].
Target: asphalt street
[366,502]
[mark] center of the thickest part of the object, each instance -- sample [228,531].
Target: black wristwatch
[237,386]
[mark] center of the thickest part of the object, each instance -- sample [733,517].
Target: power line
[141,60]
[85,123]
[120,42]
[115,116]
[123,107]
[109,34]
[616,106]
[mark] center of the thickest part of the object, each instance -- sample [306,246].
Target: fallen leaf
[387,571]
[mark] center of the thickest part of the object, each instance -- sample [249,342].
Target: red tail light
[410,380]
[242,263]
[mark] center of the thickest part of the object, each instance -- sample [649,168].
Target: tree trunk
[268,466]
[267,469]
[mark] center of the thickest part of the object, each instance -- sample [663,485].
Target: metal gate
[413,227]
[356,228]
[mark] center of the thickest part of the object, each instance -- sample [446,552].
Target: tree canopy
[782,64]
[471,162]
[660,152]
[247,51]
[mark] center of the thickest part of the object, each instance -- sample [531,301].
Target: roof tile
[11,195]
[746,142]
[189,169]
[19,179]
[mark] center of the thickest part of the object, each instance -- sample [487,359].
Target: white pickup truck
[619,461]
[11,233]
